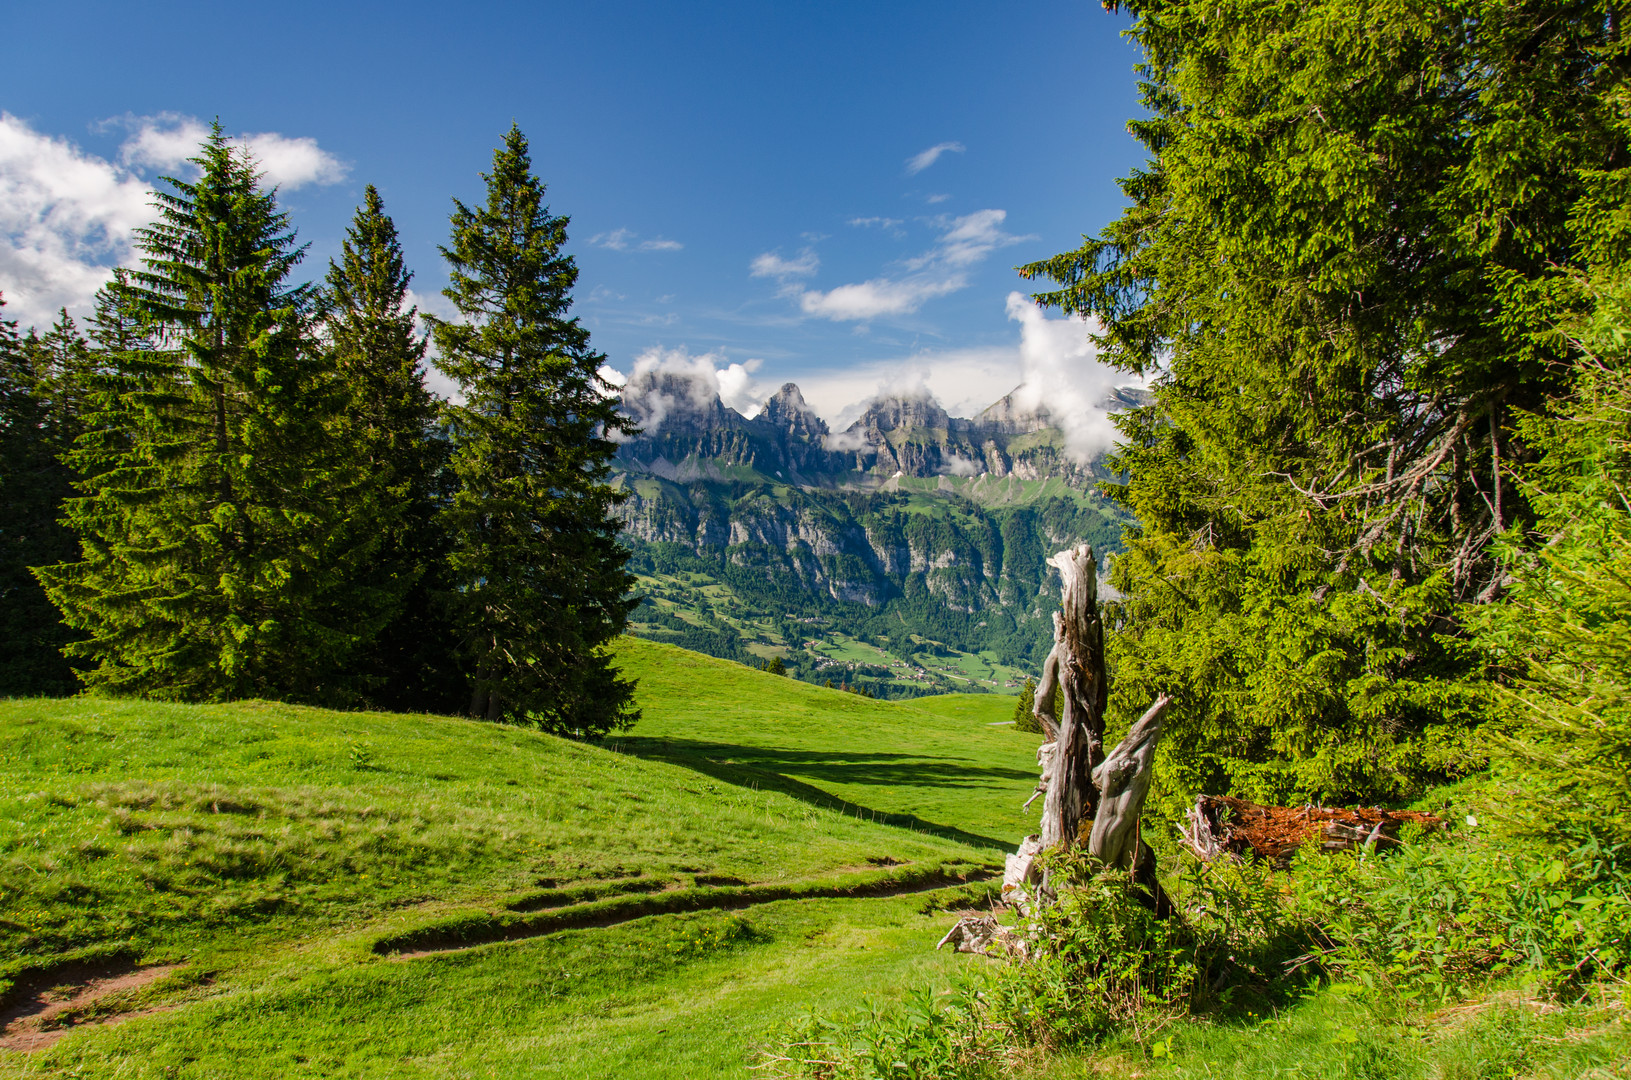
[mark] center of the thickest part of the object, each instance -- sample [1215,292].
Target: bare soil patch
[43,1007]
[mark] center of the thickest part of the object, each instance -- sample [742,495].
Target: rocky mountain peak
[1015,416]
[893,412]
[789,414]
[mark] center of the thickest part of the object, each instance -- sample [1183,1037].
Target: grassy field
[721,868]
[933,765]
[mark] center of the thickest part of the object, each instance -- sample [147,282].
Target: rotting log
[1223,826]
[1078,658]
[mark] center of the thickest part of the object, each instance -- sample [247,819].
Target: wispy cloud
[67,216]
[871,299]
[918,162]
[968,239]
[890,225]
[772,265]
[624,240]
[933,199]
[963,241]
[616,240]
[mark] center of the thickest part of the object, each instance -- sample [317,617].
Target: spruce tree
[217,557]
[38,421]
[390,420]
[540,573]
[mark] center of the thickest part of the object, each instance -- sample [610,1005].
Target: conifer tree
[217,559]
[390,420]
[540,573]
[37,425]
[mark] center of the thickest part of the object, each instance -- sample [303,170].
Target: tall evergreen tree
[38,422]
[1341,268]
[391,420]
[541,575]
[217,556]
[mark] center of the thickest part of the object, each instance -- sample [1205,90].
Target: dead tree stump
[1081,786]
[1078,659]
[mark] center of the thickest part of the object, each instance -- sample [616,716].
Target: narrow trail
[45,1005]
[457,934]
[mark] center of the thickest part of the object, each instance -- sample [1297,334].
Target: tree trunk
[1123,781]
[1079,654]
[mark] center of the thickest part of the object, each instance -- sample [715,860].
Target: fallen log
[1221,825]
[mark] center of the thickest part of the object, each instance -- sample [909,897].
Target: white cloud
[772,265]
[870,299]
[965,380]
[290,163]
[1054,362]
[616,240]
[623,240]
[1062,375]
[963,241]
[166,141]
[66,216]
[933,199]
[970,238]
[918,162]
[667,382]
[890,225]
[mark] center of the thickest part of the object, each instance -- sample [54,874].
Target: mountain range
[902,555]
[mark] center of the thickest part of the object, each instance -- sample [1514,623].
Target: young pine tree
[540,574]
[390,420]
[218,555]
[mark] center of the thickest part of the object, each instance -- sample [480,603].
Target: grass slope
[282,853]
[930,764]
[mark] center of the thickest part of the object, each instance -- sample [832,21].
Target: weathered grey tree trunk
[1123,781]
[1078,657]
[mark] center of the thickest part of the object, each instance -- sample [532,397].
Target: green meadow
[366,894]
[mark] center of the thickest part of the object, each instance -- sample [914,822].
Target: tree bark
[1123,782]
[1079,654]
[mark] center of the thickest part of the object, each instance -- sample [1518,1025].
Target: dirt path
[44,1007]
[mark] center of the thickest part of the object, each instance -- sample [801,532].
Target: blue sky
[753,188]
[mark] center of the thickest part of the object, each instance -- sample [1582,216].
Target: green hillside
[745,845]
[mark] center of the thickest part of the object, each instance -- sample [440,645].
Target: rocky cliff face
[689,434]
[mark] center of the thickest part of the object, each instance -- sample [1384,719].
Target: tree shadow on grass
[761,767]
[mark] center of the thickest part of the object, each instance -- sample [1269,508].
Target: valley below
[900,557]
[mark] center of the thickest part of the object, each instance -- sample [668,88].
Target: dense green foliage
[1342,263]
[218,556]
[391,420]
[1565,627]
[539,576]
[922,580]
[41,379]
[241,487]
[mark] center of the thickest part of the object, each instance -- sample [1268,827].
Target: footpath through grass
[278,853]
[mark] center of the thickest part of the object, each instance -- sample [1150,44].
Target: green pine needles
[540,584]
[268,502]
[218,560]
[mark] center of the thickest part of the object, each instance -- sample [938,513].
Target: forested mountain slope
[903,555]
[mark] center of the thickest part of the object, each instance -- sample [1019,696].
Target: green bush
[1436,919]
